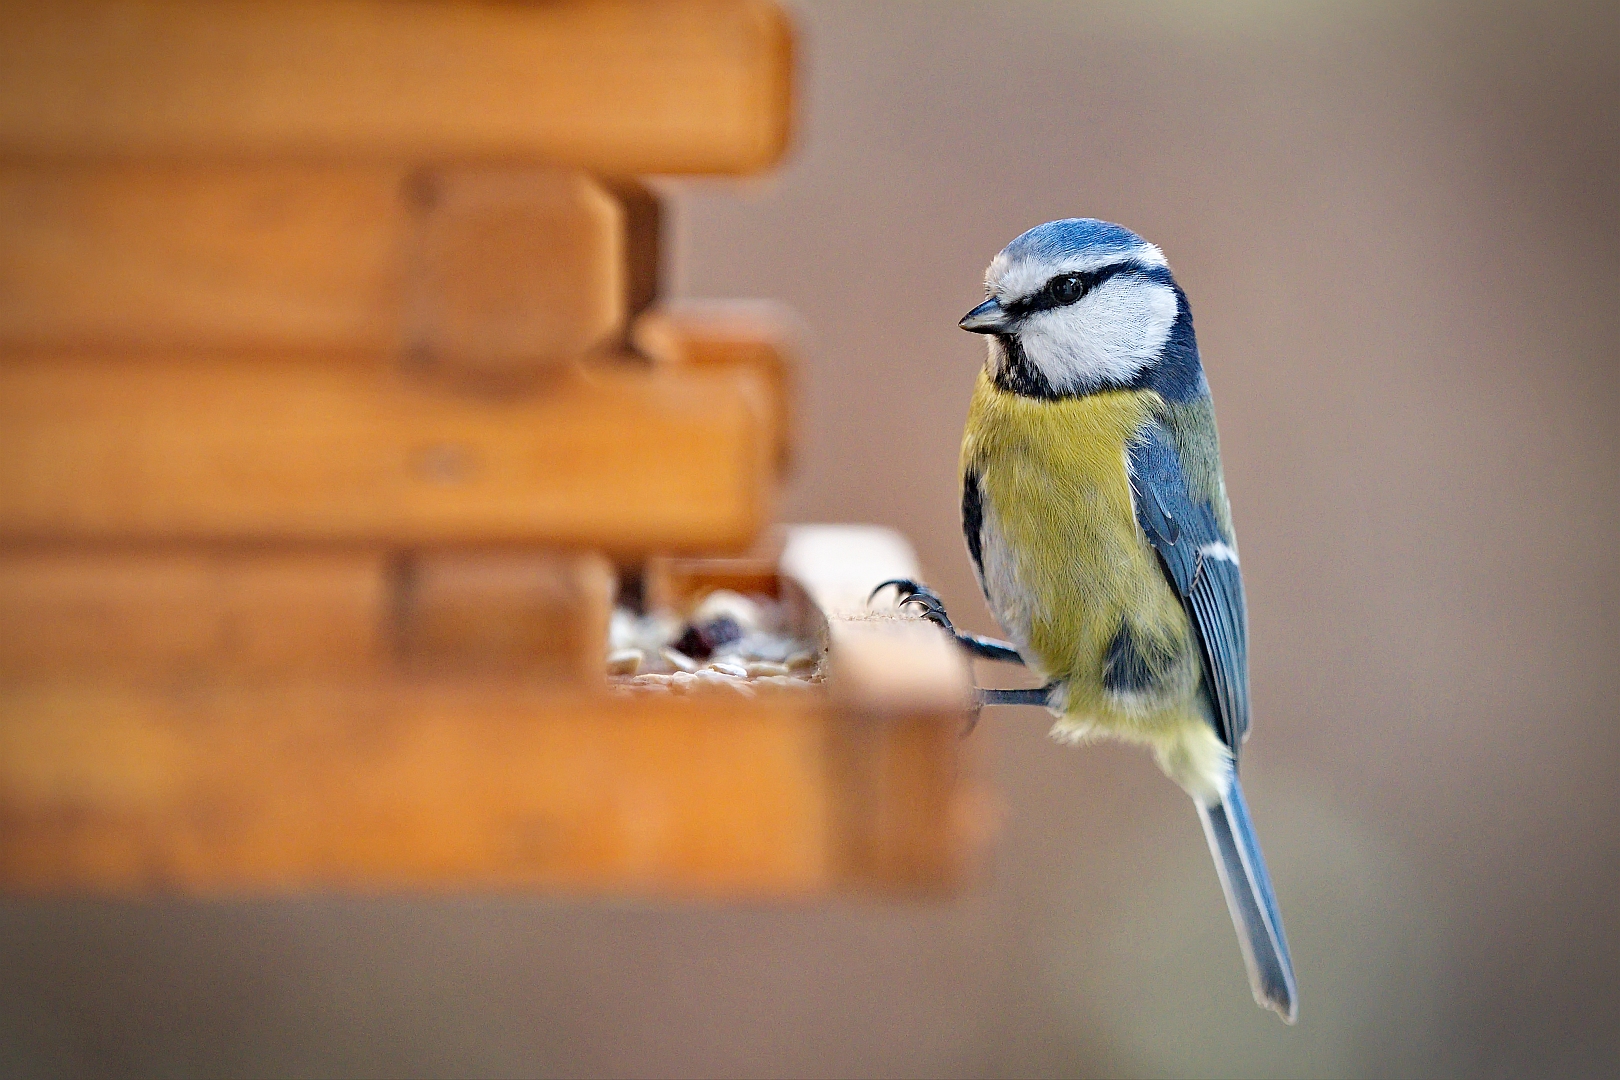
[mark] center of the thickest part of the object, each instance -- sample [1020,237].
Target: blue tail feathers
[1253,905]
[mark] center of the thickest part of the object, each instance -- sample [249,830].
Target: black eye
[1067,288]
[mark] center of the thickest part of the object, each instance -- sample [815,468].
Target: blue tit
[1097,519]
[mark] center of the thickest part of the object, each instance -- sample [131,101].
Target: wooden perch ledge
[117,783]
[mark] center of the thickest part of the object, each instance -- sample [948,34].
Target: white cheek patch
[1109,336]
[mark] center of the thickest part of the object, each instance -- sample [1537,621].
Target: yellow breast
[1065,562]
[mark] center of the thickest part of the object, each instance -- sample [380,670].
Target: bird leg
[933,609]
[1037,695]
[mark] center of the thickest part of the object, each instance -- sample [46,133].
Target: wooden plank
[912,814]
[915,813]
[194,615]
[752,335]
[510,613]
[420,785]
[231,615]
[485,267]
[617,458]
[158,255]
[681,86]
[453,784]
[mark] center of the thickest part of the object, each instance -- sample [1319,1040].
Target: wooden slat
[410,785]
[473,266]
[889,664]
[911,817]
[194,615]
[423,785]
[752,335]
[617,458]
[915,812]
[681,86]
[208,615]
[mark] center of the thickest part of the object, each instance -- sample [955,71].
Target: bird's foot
[932,607]
[916,594]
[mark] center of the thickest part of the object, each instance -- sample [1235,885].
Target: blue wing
[1199,561]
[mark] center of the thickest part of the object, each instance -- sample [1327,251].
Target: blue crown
[1069,237]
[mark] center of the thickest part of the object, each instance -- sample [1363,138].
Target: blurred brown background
[1398,231]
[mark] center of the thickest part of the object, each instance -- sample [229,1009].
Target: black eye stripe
[1046,297]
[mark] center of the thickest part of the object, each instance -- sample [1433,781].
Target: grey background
[1398,229]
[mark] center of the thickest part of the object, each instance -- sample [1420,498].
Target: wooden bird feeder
[338,401]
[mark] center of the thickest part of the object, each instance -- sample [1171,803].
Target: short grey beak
[987,318]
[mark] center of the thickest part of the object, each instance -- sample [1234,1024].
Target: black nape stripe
[1178,375]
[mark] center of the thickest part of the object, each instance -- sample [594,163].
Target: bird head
[1076,306]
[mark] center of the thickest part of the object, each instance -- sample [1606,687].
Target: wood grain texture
[419,785]
[194,615]
[625,88]
[147,448]
[475,785]
[211,615]
[483,267]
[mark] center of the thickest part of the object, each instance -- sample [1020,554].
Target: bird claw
[915,594]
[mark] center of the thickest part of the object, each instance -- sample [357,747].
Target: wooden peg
[514,269]
[506,613]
